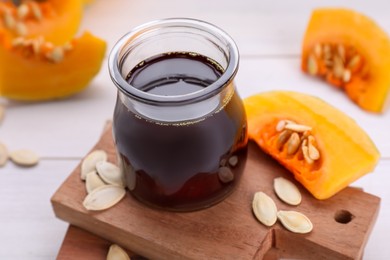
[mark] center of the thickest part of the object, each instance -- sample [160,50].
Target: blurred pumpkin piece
[350,51]
[39,58]
[54,72]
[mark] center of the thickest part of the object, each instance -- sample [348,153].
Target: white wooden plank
[259,27]
[28,227]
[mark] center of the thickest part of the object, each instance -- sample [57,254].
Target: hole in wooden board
[343,216]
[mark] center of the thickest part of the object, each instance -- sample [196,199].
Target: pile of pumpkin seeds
[265,210]
[104,181]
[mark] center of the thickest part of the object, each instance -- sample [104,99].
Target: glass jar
[179,124]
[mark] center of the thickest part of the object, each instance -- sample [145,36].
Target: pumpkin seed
[3,154]
[313,152]
[93,181]
[282,138]
[104,197]
[90,161]
[67,46]
[24,157]
[117,253]
[9,20]
[346,76]
[22,11]
[318,50]
[56,55]
[233,161]
[21,29]
[298,128]
[341,52]
[305,152]
[327,51]
[293,143]
[36,10]
[355,60]
[287,191]
[338,67]
[280,125]
[19,41]
[295,221]
[110,173]
[36,44]
[312,65]
[225,175]
[264,208]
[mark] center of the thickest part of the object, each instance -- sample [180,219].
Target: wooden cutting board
[228,230]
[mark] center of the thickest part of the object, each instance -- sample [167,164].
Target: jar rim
[227,76]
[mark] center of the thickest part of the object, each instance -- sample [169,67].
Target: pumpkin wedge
[48,71]
[55,20]
[350,51]
[324,148]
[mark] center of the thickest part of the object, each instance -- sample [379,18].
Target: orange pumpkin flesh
[346,152]
[28,76]
[59,20]
[349,36]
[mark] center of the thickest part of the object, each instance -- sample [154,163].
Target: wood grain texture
[80,244]
[227,230]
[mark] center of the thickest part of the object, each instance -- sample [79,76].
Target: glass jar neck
[173,35]
[184,114]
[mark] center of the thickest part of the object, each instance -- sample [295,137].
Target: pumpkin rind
[350,28]
[34,78]
[347,152]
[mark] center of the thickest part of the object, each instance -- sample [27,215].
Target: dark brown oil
[184,166]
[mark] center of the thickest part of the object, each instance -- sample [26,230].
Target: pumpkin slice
[351,52]
[41,71]
[324,148]
[55,20]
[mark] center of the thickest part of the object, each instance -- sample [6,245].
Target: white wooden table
[268,34]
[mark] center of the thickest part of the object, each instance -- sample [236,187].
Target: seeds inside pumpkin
[295,135]
[337,63]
